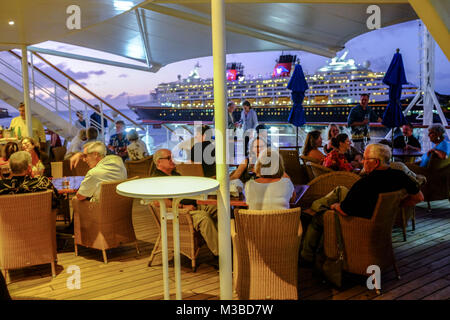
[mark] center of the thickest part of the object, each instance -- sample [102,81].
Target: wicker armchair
[190,169]
[366,242]
[104,224]
[80,170]
[266,257]
[295,170]
[437,173]
[325,183]
[190,240]
[318,169]
[57,154]
[139,168]
[305,160]
[27,231]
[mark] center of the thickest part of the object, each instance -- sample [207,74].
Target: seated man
[22,182]
[103,168]
[202,216]
[361,199]
[407,140]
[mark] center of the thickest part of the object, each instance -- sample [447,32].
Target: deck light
[11,23]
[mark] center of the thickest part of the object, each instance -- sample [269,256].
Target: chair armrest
[233,229]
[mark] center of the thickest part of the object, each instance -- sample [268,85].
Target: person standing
[118,142]
[80,123]
[249,121]
[203,151]
[19,127]
[358,120]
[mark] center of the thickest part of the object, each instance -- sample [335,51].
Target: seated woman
[272,189]
[37,167]
[9,149]
[336,159]
[441,148]
[137,149]
[313,141]
[245,170]
[333,131]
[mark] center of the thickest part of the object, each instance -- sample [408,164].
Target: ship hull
[269,114]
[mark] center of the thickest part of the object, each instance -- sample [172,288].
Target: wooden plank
[443,294]
[426,290]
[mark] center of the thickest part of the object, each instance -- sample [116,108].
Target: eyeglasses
[367,159]
[167,158]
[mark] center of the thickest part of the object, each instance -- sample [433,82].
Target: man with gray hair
[361,199]
[21,180]
[103,168]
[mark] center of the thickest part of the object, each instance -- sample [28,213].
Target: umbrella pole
[296,147]
[392,140]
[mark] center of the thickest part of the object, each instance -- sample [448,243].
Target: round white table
[175,188]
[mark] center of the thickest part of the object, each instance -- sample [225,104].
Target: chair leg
[155,249]
[76,250]
[53,269]
[137,248]
[105,259]
[413,219]
[194,266]
[429,206]
[7,277]
[404,223]
[394,263]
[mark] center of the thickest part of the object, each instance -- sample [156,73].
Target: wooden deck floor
[423,260]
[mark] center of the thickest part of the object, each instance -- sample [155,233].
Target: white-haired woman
[272,189]
[441,147]
[137,149]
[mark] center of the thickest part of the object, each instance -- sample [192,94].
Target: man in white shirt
[103,168]
[19,125]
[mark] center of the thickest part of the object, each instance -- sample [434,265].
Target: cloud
[80,75]
[123,76]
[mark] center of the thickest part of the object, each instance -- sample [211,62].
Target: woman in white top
[272,189]
[137,149]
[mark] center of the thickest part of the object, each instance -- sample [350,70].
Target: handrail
[62,86]
[86,89]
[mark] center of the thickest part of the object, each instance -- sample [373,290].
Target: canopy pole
[26,91]
[223,196]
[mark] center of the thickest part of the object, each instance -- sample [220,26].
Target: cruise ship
[333,90]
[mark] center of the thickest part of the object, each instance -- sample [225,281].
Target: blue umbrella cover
[395,77]
[298,85]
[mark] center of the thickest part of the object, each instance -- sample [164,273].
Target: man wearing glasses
[203,216]
[361,199]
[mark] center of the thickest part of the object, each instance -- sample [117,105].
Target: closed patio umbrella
[298,85]
[395,77]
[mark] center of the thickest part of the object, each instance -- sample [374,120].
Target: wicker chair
[190,240]
[366,242]
[57,154]
[295,170]
[80,170]
[266,257]
[139,168]
[305,160]
[325,183]
[190,169]
[104,224]
[318,169]
[27,231]
[437,173]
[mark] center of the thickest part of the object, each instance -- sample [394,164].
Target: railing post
[32,76]
[26,91]
[68,101]
[102,128]
[56,99]
[87,119]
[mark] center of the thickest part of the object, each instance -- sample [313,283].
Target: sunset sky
[119,86]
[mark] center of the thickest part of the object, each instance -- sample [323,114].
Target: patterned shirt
[337,161]
[358,114]
[119,143]
[27,184]
[137,150]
